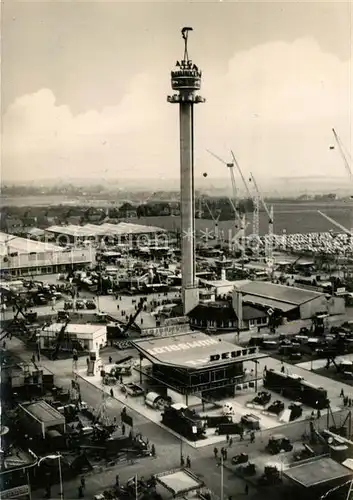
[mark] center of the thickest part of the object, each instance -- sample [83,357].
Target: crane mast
[215,220]
[343,155]
[256,207]
[240,222]
[349,172]
[269,237]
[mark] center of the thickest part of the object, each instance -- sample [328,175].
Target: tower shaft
[187,193]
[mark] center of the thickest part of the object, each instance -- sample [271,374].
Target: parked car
[278,443]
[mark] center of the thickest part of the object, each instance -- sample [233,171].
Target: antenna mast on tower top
[185,34]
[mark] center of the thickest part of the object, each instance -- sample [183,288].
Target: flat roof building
[194,363]
[91,231]
[22,256]
[41,417]
[315,477]
[294,303]
[179,482]
[84,337]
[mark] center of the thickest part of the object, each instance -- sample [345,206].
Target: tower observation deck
[186,81]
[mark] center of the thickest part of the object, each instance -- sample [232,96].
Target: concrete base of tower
[190,299]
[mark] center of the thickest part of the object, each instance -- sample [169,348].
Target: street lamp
[55,457]
[222,478]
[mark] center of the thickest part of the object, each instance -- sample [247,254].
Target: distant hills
[277,187]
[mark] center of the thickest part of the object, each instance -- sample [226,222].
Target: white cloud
[275,105]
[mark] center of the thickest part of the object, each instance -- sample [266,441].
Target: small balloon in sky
[205,174]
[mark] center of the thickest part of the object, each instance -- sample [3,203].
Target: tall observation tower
[186,80]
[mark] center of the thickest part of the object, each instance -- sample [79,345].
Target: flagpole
[136,488]
[350,490]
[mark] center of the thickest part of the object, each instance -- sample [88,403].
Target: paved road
[168,447]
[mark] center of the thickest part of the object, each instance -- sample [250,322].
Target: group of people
[347,401]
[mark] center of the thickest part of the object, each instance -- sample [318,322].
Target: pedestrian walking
[230,441]
[246,491]
[182,461]
[252,437]
[83,482]
[342,393]
[80,492]
[153,450]
[123,429]
[215,452]
[117,481]
[227,438]
[111,393]
[110,359]
[225,454]
[188,462]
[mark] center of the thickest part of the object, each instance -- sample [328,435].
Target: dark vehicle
[251,422]
[248,469]
[68,305]
[243,458]
[304,453]
[232,428]
[63,315]
[262,398]
[276,407]
[184,421]
[90,304]
[217,420]
[271,476]
[296,411]
[295,356]
[287,349]
[80,304]
[40,300]
[278,443]
[304,331]
[122,345]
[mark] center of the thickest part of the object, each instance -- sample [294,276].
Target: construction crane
[199,212]
[344,154]
[239,220]
[59,339]
[215,220]
[14,321]
[346,161]
[269,212]
[132,319]
[256,204]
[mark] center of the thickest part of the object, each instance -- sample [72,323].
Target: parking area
[257,415]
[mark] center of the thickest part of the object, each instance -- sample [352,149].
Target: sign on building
[165,331]
[183,346]
[180,320]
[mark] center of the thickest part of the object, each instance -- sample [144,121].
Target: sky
[84,87]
